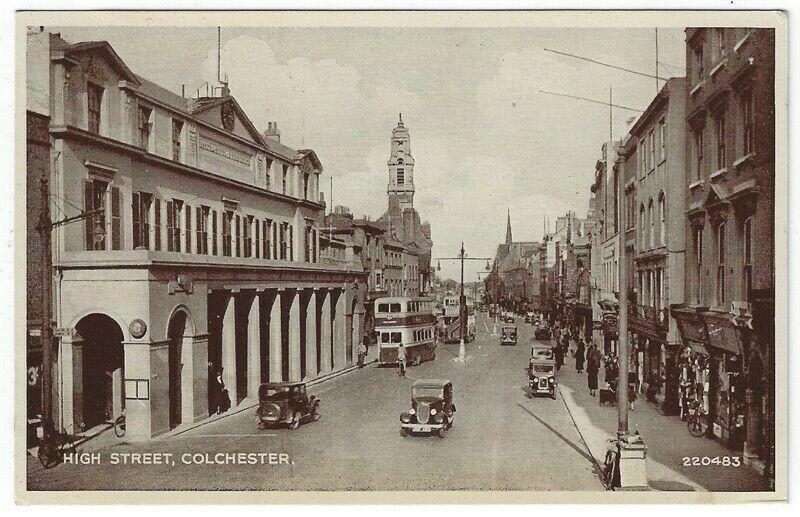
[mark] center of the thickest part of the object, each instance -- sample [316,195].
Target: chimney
[272,132]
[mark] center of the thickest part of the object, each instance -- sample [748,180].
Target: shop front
[657,360]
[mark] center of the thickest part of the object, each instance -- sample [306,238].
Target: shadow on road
[572,445]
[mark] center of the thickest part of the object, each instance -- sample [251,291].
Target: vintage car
[508,335]
[286,403]
[542,334]
[508,317]
[542,372]
[432,409]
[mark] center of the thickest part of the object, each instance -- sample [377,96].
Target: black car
[286,403]
[432,409]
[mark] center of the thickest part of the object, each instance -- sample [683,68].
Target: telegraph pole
[49,453]
[462,300]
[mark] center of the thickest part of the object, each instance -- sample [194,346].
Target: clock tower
[401,169]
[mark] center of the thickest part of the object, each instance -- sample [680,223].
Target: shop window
[720,295]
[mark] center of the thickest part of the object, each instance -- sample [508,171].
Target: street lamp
[462,301]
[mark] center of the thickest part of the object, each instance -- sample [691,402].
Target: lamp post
[462,301]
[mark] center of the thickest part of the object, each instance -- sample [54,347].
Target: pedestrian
[401,360]
[633,381]
[362,351]
[592,368]
[559,356]
[580,356]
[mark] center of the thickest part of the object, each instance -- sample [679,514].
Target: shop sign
[692,327]
[723,336]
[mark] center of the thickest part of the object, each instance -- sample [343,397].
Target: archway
[179,334]
[102,369]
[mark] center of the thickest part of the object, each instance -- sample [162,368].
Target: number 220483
[705,461]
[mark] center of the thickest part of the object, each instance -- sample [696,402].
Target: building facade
[208,227]
[654,166]
[727,322]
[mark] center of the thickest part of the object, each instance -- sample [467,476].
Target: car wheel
[403,431]
[315,414]
[295,421]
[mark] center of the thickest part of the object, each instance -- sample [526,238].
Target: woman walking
[580,356]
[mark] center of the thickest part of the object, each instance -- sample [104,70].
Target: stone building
[728,318]
[205,254]
[654,165]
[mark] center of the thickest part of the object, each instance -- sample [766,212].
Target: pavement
[667,439]
[501,440]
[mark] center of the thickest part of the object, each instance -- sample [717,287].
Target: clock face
[227,115]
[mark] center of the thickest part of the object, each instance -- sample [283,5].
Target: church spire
[509,240]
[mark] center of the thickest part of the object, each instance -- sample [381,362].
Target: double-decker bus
[410,321]
[450,315]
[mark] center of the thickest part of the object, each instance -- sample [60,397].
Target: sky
[484,138]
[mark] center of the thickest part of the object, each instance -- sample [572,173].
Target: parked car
[286,403]
[432,408]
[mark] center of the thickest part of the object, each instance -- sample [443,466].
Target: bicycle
[610,469]
[697,421]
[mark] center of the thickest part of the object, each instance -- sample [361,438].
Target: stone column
[70,388]
[194,378]
[340,332]
[311,336]
[275,338]
[325,332]
[254,349]
[293,301]
[229,348]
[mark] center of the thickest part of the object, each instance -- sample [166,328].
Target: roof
[206,103]
[102,46]
[433,383]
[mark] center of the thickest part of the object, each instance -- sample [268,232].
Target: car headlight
[405,418]
[433,411]
[535,379]
[412,412]
[552,380]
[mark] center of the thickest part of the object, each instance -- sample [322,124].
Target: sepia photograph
[373,253]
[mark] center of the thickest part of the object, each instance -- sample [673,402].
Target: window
[267,168]
[257,234]
[285,177]
[291,242]
[662,220]
[213,232]
[642,156]
[747,259]
[306,177]
[94,96]
[227,233]
[662,138]
[699,65]
[157,223]
[267,228]
[721,265]
[747,123]
[144,126]
[188,229]
[720,134]
[177,129]
[698,265]
[140,206]
[247,230]
[94,198]
[282,243]
[650,226]
[651,158]
[401,176]
[174,207]
[275,241]
[201,229]
[699,152]
[237,221]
